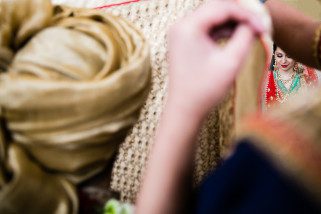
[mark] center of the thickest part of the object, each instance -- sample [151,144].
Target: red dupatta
[270,90]
[310,77]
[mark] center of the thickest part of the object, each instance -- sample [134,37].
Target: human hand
[201,70]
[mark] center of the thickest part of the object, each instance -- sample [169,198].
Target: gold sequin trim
[316,46]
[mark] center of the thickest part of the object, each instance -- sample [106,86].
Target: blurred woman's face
[283,62]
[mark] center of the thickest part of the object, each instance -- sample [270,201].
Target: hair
[273,57]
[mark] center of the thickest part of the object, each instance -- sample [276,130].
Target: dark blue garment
[249,183]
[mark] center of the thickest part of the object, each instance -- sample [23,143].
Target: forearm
[171,163]
[194,68]
[293,31]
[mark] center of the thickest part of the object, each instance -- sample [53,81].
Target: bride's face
[283,62]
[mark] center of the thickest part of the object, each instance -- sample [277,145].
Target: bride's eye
[279,55]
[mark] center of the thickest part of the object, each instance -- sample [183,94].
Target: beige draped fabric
[72,83]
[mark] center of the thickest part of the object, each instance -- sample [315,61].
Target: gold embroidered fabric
[72,82]
[154,18]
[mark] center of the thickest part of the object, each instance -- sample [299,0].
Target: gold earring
[295,67]
[275,66]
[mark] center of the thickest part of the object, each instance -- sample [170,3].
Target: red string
[116,4]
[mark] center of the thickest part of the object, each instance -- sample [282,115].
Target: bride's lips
[284,66]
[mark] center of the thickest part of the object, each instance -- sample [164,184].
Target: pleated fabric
[72,83]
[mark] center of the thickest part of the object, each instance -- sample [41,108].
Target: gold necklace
[283,80]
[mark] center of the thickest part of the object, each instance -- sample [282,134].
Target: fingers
[240,43]
[216,13]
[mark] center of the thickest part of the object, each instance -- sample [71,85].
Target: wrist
[186,110]
[182,116]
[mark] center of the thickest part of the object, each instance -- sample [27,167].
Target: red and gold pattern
[270,90]
[272,94]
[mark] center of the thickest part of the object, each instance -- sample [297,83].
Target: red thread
[116,4]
